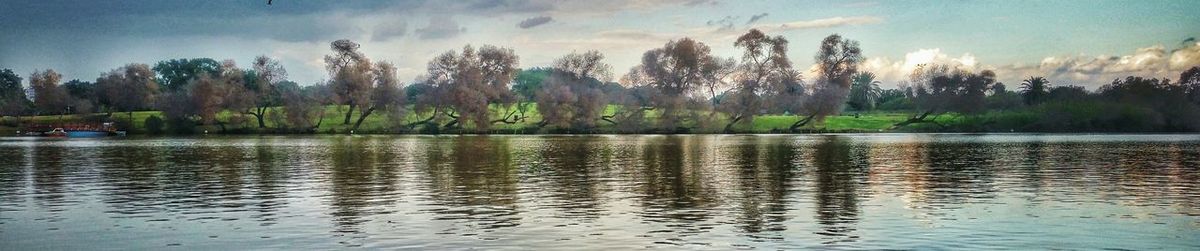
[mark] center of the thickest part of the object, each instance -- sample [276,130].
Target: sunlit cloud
[1083,70]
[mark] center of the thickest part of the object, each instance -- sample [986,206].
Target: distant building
[29,94]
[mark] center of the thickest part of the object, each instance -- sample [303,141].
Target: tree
[529,81]
[571,96]
[350,71]
[1034,90]
[49,98]
[82,96]
[385,94]
[128,88]
[175,74]
[674,71]
[268,73]
[1190,80]
[940,89]
[467,83]
[301,106]
[864,92]
[765,66]
[837,61]
[13,101]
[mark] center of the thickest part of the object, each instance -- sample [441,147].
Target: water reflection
[473,183]
[675,187]
[621,192]
[837,182]
[765,168]
[361,183]
[572,170]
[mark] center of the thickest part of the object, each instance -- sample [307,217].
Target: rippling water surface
[603,192]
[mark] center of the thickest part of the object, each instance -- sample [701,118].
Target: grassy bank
[381,123]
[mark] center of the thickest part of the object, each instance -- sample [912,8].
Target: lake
[869,191]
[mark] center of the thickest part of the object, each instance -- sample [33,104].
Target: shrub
[154,125]
[182,126]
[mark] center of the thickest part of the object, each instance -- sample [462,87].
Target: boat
[78,130]
[57,132]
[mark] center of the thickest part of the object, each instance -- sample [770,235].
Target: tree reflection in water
[765,168]
[837,180]
[362,183]
[572,169]
[674,186]
[473,183]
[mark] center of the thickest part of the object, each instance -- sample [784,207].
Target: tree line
[677,88]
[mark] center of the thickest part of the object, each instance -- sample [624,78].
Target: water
[603,192]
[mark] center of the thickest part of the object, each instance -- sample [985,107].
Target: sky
[1085,43]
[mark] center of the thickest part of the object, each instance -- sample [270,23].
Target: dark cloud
[440,27]
[534,21]
[386,32]
[755,18]
[725,23]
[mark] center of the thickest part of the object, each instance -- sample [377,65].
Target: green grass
[380,122]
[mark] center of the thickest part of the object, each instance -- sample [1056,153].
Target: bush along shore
[680,87]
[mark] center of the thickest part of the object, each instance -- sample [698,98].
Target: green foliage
[181,125]
[12,95]
[174,74]
[529,81]
[898,104]
[154,125]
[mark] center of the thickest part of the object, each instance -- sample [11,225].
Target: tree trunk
[318,125]
[452,123]
[362,117]
[917,119]
[349,113]
[262,111]
[801,123]
[729,127]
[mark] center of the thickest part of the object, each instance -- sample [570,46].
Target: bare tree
[939,89]
[385,94]
[571,96]
[128,88]
[208,97]
[836,62]
[764,65]
[48,96]
[350,71]
[268,73]
[466,83]
[301,106]
[675,71]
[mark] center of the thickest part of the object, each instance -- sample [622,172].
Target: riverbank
[331,123]
[1043,118]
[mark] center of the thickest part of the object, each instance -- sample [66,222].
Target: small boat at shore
[74,130]
[57,132]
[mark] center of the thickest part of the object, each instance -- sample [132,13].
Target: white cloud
[1084,70]
[892,71]
[819,23]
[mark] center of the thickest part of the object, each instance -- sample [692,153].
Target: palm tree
[864,91]
[1034,89]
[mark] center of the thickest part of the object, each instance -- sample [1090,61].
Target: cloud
[725,23]
[440,27]
[1091,71]
[534,22]
[755,18]
[636,35]
[820,23]
[386,32]
[896,70]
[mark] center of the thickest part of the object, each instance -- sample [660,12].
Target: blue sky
[1071,42]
